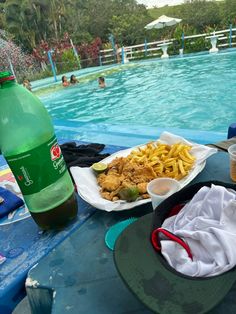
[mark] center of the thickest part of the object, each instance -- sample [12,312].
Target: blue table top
[79,276]
[24,244]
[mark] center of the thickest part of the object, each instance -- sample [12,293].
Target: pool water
[195,93]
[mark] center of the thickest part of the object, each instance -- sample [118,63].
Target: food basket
[88,188]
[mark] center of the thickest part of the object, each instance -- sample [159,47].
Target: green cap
[6,76]
[149,276]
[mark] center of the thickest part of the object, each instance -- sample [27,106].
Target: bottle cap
[6,76]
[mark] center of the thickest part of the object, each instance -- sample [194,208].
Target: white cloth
[208,225]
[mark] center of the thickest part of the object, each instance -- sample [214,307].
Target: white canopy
[163,21]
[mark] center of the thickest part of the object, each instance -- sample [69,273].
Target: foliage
[106,45]
[196,45]
[174,11]
[2,16]
[43,25]
[68,62]
[128,28]
[35,74]
[63,55]
[229,12]
[13,56]
[200,13]
[90,52]
[33,21]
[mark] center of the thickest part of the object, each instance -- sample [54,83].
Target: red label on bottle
[55,152]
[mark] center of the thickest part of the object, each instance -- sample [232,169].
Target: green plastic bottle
[29,144]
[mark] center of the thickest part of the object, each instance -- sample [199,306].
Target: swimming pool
[191,93]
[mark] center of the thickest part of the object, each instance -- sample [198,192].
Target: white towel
[208,225]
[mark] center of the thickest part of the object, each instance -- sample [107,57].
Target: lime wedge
[99,167]
[129,194]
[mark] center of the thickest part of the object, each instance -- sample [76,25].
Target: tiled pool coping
[123,135]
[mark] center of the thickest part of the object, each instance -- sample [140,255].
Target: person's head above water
[73,79]
[64,81]
[101,81]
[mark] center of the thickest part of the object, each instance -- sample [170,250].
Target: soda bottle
[29,144]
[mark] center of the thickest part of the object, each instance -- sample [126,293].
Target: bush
[196,45]
[68,62]
[34,75]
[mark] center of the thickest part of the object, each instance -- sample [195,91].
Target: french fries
[174,161]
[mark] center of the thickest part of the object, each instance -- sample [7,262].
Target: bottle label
[39,167]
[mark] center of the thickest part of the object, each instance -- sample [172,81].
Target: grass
[173,11]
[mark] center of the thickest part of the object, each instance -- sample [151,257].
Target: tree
[230,11]
[23,20]
[2,15]
[127,24]
[34,20]
[200,13]
[128,29]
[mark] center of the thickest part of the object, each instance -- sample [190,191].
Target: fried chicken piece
[100,178]
[115,198]
[126,183]
[117,164]
[145,196]
[142,187]
[115,193]
[106,195]
[143,174]
[111,183]
[125,173]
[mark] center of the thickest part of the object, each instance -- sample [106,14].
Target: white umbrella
[163,21]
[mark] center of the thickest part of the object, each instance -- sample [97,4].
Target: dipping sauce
[161,190]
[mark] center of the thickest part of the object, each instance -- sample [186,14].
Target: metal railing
[154,49]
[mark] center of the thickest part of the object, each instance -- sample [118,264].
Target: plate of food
[119,182]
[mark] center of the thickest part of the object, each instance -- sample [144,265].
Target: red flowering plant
[89,53]
[63,55]
[61,52]
[40,54]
